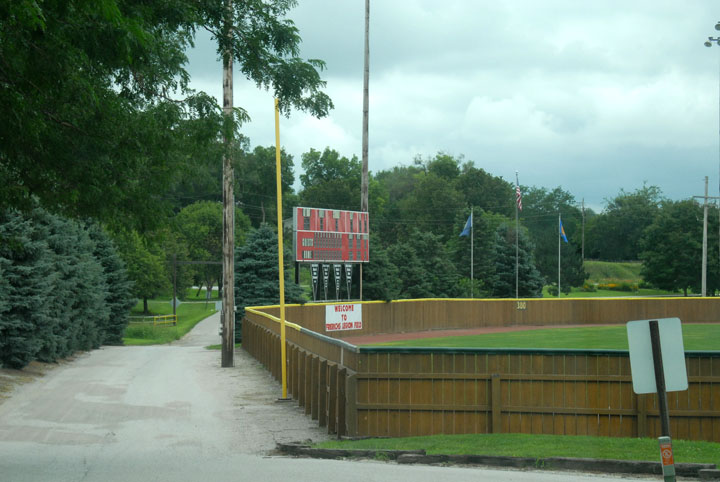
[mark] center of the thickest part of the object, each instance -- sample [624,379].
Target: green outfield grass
[539,446]
[695,337]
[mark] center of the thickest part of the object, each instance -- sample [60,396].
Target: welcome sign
[343,317]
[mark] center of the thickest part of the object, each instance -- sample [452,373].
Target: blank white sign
[673,355]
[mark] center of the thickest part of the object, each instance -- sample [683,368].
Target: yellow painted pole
[283,354]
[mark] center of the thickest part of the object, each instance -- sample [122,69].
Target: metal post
[281,263]
[582,256]
[472,261]
[665,439]
[517,238]
[174,300]
[705,241]
[559,223]
[659,378]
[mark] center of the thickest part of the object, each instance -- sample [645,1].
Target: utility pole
[705,225]
[366,108]
[228,247]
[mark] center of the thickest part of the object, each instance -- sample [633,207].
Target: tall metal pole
[559,223]
[583,231]
[228,298]
[174,300]
[472,263]
[366,108]
[517,237]
[708,43]
[281,264]
[705,241]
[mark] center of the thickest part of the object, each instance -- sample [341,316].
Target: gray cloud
[591,96]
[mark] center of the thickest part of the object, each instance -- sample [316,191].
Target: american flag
[518,197]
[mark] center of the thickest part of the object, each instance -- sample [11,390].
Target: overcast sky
[586,95]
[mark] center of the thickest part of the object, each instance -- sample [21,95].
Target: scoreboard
[330,236]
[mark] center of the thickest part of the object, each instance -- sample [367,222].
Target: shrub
[588,287]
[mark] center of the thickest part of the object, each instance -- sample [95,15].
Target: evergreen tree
[572,271]
[257,274]
[414,282]
[4,287]
[484,226]
[28,282]
[435,263]
[380,275]
[81,289]
[119,298]
[502,283]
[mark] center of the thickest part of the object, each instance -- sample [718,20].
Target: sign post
[315,274]
[348,277]
[666,455]
[657,364]
[326,277]
[337,270]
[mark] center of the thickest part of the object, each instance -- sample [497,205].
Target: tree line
[100,126]
[63,288]
[101,134]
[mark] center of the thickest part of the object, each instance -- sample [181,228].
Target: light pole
[708,43]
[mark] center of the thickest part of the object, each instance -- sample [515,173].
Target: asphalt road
[170,413]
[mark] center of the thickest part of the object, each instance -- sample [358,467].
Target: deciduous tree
[672,248]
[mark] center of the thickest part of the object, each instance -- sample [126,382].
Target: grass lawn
[608,271]
[540,446]
[578,293]
[189,315]
[695,337]
[191,294]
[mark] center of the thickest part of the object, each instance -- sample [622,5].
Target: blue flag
[562,232]
[468,225]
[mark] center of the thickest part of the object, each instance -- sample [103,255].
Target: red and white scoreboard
[330,235]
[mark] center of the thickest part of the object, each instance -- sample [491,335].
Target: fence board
[391,393]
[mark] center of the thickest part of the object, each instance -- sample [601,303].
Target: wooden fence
[441,314]
[400,392]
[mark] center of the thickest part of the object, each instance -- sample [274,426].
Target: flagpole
[559,236]
[517,245]
[472,264]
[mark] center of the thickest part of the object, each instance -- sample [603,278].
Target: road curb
[303,450]
[704,471]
